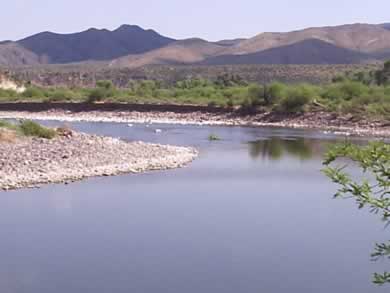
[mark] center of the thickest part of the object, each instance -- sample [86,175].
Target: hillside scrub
[358,93]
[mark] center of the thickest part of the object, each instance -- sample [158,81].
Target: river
[252,214]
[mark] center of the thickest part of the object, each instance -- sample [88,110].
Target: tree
[274,92]
[372,191]
[255,94]
[382,77]
[104,89]
[106,84]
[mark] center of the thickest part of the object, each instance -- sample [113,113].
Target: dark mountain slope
[94,44]
[311,51]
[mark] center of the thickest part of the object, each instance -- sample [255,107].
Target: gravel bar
[32,162]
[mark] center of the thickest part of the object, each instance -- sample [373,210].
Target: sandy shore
[31,162]
[344,125]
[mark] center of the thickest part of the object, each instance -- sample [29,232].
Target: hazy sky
[209,19]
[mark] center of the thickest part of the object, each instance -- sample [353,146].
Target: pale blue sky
[209,19]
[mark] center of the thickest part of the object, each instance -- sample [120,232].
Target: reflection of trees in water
[275,148]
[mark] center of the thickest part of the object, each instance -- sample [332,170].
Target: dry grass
[7,136]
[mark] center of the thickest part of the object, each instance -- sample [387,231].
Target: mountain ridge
[132,46]
[308,51]
[94,44]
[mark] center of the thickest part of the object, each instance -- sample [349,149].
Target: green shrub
[97,95]
[31,128]
[212,104]
[106,84]
[33,92]
[378,109]
[275,92]
[7,93]
[293,104]
[247,106]
[297,98]
[353,89]
[6,124]
[332,92]
[60,95]
[104,89]
[345,90]
[214,137]
[339,78]
[230,103]
[255,94]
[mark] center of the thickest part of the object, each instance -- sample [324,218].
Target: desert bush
[97,95]
[339,78]
[7,93]
[274,92]
[31,128]
[353,89]
[230,103]
[106,84]
[297,98]
[60,95]
[247,106]
[345,90]
[255,94]
[104,89]
[33,92]
[6,124]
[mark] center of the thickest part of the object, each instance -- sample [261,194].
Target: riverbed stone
[32,162]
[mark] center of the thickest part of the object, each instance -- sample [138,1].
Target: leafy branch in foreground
[373,190]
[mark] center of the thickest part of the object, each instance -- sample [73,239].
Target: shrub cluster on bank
[28,128]
[358,93]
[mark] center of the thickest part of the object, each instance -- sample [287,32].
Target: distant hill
[178,53]
[365,38]
[12,54]
[310,51]
[94,44]
[346,44]
[133,47]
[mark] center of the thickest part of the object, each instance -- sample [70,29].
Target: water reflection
[221,225]
[276,148]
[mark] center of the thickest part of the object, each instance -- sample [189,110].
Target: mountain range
[132,46]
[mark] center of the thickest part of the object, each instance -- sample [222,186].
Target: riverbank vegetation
[9,131]
[358,93]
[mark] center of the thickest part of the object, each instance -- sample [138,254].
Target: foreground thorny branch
[372,190]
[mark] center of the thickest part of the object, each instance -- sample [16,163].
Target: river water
[252,214]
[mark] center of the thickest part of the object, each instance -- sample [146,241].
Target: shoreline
[322,121]
[32,162]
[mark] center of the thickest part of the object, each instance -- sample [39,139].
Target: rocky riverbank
[344,125]
[31,162]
